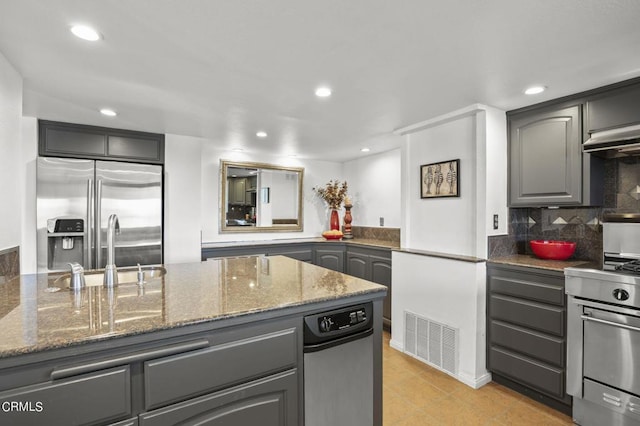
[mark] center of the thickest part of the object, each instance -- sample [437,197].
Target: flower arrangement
[334,193]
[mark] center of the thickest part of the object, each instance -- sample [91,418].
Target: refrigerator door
[134,193]
[63,191]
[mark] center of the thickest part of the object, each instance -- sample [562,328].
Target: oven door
[612,349]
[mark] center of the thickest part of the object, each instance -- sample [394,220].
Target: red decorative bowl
[332,235]
[554,250]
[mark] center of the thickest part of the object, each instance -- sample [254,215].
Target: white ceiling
[223,70]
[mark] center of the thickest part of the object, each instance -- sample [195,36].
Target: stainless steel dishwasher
[338,367]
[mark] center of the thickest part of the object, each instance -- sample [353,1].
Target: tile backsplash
[579,224]
[9,264]
[373,233]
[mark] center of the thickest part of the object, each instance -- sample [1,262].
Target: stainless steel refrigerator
[74,201]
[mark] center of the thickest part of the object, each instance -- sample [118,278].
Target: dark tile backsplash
[579,224]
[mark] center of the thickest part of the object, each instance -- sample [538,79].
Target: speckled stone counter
[33,319]
[534,262]
[355,241]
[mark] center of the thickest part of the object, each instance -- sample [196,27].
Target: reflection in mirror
[257,197]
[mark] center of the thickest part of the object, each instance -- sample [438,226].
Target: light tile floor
[416,394]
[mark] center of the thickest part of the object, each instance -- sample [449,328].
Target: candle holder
[347,235]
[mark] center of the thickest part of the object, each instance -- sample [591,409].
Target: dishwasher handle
[339,341]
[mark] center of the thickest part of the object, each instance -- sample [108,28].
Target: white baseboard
[475,383]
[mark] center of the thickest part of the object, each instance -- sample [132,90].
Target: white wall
[446,225]
[10,155]
[182,204]
[451,291]
[315,212]
[445,291]
[375,189]
[28,256]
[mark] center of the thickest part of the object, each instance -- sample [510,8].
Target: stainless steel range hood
[614,142]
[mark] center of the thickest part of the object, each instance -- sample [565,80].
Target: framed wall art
[439,180]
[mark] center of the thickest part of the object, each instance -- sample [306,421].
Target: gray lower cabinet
[298,251]
[271,401]
[545,157]
[526,332]
[372,264]
[228,376]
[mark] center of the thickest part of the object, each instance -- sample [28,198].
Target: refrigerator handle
[88,264]
[98,225]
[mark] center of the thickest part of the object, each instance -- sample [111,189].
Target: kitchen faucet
[110,270]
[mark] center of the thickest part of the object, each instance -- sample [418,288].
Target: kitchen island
[220,340]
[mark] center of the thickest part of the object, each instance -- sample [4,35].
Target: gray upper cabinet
[545,157]
[79,141]
[613,108]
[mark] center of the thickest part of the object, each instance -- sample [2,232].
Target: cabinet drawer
[546,318]
[539,346]
[528,372]
[87,399]
[183,376]
[271,401]
[543,289]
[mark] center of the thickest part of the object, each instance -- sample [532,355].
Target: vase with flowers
[333,193]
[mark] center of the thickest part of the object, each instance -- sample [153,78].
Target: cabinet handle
[611,323]
[74,370]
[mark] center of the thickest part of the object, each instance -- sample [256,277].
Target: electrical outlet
[495,221]
[381,221]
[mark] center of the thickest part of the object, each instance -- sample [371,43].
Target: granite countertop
[354,241]
[35,319]
[534,262]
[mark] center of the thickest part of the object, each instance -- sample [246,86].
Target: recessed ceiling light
[261,134]
[323,92]
[238,149]
[108,112]
[534,90]
[86,33]
[365,150]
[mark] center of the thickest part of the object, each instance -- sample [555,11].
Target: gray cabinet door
[381,274]
[358,265]
[272,401]
[615,108]
[330,259]
[545,158]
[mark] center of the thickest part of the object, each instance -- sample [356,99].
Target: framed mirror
[258,197]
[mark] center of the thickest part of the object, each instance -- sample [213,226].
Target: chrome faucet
[77,281]
[110,270]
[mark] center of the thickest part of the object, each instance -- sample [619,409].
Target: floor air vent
[431,342]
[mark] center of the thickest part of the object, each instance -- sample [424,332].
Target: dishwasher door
[338,372]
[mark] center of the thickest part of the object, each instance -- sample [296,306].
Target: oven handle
[614,324]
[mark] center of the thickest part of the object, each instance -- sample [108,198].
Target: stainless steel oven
[603,330]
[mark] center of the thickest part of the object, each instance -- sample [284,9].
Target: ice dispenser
[65,243]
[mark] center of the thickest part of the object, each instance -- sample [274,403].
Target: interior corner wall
[10,159]
[447,224]
[496,171]
[29,160]
[182,206]
[374,188]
